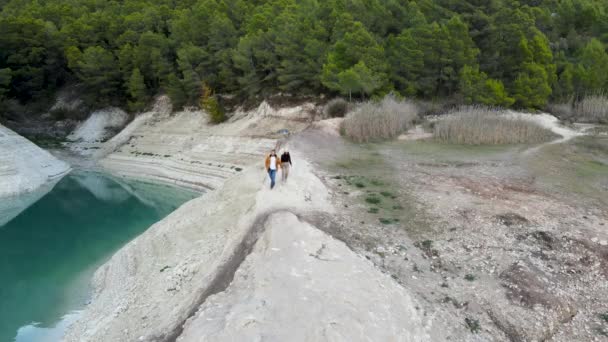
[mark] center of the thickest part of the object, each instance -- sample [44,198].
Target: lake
[50,250]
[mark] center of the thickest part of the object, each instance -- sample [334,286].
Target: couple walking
[274,163]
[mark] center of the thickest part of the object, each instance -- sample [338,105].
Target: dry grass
[380,120]
[593,108]
[487,126]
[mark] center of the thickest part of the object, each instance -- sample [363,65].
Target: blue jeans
[273,175]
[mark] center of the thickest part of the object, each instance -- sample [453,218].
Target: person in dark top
[285,165]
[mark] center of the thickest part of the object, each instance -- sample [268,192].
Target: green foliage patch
[497,53]
[473,324]
[372,199]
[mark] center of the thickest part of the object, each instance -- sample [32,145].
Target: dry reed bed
[592,109]
[480,125]
[380,120]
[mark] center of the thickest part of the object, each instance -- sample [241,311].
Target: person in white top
[272,164]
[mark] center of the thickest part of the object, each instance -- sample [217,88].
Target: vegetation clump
[482,125]
[380,120]
[373,199]
[210,105]
[384,220]
[593,108]
[336,108]
[427,244]
[388,194]
[473,324]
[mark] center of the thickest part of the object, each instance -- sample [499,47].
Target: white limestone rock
[300,284]
[24,167]
[89,136]
[184,149]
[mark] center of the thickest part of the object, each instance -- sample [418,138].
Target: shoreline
[111,275]
[156,287]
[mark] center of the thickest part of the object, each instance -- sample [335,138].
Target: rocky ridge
[184,149]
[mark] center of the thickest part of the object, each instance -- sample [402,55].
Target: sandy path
[551,123]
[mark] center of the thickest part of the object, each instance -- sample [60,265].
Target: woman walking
[285,164]
[272,164]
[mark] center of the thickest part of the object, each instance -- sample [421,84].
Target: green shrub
[387,194]
[210,105]
[373,200]
[476,87]
[385,220]
[336,108]
[473,325]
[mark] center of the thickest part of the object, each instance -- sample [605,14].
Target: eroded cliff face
[184,149]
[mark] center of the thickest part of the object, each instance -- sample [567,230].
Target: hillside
[449,178]
[507,53]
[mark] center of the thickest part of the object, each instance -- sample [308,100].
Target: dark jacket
[286,158]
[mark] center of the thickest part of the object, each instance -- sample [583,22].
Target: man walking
[272,164]
[285,164]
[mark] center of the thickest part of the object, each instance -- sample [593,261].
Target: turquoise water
[50,250]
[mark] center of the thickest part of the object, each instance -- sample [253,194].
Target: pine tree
[175,90]
[301,48]
[355,64]
[462,51]
[405,59]
[210,104]
[593,71]
[531,87]
[5,82]
[137,91]
[476,87]
[446,48]
[566,87]
[99,71]
[536,74]
[358,79]
[433,40]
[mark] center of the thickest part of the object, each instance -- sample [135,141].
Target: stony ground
[499,243]
[489,243]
